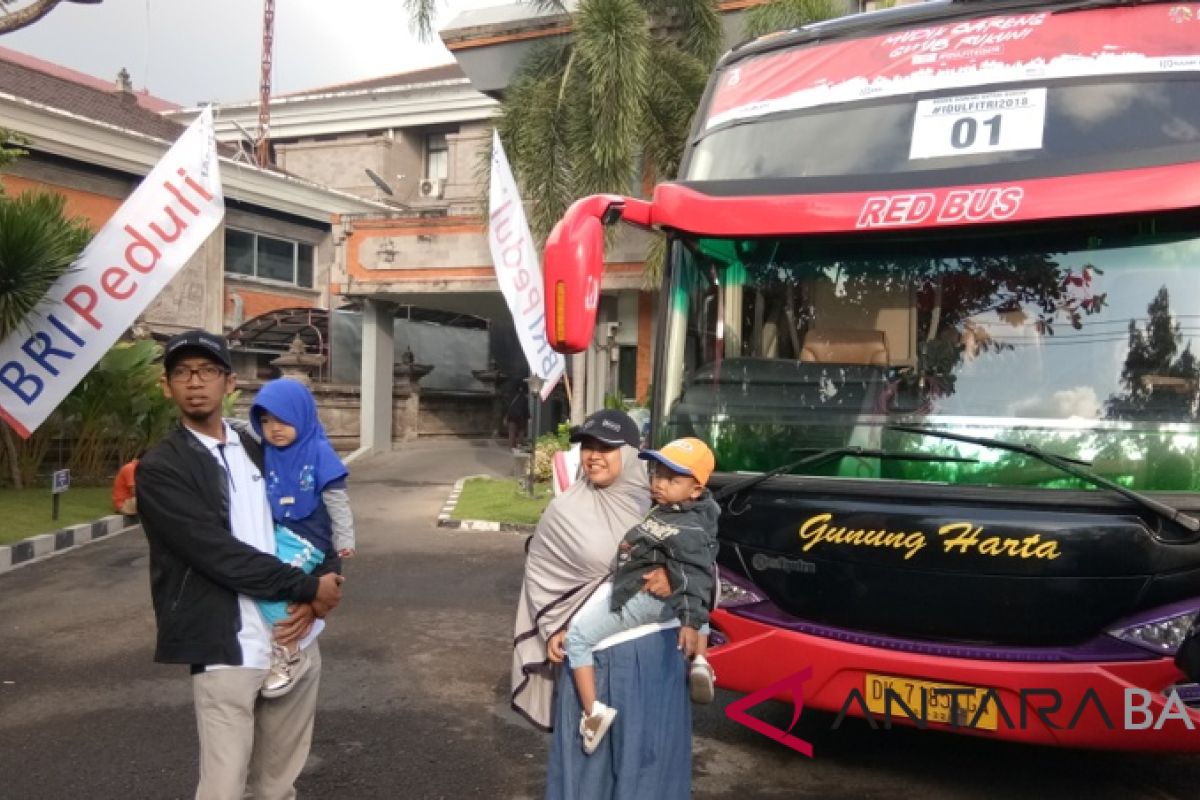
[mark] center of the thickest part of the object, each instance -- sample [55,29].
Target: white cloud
[1079,402]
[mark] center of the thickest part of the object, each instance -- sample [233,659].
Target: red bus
[928,295]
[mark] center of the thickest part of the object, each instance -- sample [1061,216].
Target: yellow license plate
[929,701]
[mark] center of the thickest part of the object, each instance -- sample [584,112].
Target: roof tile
[79,94]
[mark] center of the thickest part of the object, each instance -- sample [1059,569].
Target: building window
[627,372]
[437,157]
[261,256]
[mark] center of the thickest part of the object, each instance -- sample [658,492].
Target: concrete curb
[47,545]
[444,521]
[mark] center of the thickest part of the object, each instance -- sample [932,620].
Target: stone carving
[408,372]
[297,363]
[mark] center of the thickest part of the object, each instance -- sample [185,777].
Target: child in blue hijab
[306,487]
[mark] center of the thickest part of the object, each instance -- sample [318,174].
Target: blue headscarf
[296,474]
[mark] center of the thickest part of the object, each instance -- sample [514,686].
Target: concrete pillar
[597,374]
[378,361]
[577,366]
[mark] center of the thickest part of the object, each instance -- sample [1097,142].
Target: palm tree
[781,15]
[38,244]
[612,104]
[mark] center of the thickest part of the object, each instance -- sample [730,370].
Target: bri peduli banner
[125,266]
[518,271]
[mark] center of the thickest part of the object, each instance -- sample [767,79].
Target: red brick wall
[645,353]
[256,303]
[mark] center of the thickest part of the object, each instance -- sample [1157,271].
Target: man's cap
[197,343]
[687,456]
[609,426]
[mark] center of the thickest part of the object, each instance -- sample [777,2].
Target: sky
[193,51]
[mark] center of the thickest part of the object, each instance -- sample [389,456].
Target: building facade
[93,142]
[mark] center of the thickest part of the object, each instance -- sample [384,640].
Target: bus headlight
[734,594]
[1160,636]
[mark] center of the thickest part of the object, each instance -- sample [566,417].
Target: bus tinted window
[1114,125]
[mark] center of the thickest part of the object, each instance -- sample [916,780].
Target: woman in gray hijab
[572,553]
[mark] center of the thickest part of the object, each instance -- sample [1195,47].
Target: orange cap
[688,456]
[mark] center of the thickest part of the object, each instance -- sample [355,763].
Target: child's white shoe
[592,727]
[285,670]
[702,680]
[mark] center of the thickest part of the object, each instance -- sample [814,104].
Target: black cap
[200,343]
[610,427]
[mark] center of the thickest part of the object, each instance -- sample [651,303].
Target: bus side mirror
[574,270]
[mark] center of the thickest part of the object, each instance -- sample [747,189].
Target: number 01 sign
[979,123]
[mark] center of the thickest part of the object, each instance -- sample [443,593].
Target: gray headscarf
[572,552]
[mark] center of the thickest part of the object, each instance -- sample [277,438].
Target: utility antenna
[264,86]
[386,189]
[378,181]
[247,148]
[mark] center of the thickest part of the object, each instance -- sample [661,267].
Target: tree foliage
[38,244]
[609,105]
[117,410]
[10,149]
[1159,381]
[782,15]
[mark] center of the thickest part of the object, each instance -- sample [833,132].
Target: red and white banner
[126,265]
[1153,38]
[518,271]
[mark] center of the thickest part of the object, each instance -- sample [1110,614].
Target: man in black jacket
[203,505]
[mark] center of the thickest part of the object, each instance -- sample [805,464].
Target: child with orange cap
[680,534]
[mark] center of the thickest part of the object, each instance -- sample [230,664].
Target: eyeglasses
[207,374]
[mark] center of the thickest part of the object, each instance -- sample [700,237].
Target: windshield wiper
[1071,466]
[830,454]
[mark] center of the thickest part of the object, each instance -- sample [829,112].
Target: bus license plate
[937,702]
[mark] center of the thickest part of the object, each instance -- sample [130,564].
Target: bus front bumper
[1117,705]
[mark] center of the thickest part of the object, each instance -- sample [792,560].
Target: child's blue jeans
[597,622]
[290,549]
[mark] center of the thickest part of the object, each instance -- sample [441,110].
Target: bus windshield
[1073,337]
[1086,125]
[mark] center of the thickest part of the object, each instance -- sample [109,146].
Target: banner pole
[535,397]
[567,385]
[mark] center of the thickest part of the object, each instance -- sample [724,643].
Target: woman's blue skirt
[647,753]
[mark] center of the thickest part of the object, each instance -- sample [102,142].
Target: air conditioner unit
[432,187]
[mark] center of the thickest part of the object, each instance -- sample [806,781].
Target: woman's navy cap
[198,343]
[610,427]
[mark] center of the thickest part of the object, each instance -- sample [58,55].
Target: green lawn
[27,512]
[500,501]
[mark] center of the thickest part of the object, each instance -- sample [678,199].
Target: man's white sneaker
[285,670]
[702,681]
[592,727]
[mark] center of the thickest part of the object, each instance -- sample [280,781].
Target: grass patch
[27,512]
[501,501]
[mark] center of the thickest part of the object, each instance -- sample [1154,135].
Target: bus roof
[855,120]
[901,17]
